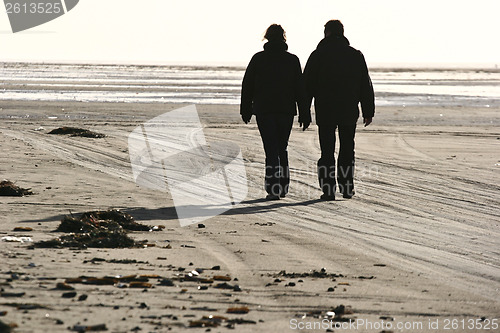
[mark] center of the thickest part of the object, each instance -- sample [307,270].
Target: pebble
[239,310]
[70,294]
[167,282]
[64,286]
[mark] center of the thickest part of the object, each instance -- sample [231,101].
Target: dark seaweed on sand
[95,239]
[109,219]
[74,131]
[9,189]
[321,274]
[98,229]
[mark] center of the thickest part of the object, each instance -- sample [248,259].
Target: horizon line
[234,64]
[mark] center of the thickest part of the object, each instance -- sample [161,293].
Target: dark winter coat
[337,77]
[273,83]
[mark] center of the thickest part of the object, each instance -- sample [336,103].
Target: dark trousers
[345,165]
[275,130]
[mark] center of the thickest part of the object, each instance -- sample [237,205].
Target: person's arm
[301,98]
[311,78]
[247,92]
[367,94]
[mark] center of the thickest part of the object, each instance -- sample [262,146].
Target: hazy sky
[230,31]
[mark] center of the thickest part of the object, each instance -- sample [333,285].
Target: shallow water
[221,85]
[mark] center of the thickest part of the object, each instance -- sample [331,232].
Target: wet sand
[417,244]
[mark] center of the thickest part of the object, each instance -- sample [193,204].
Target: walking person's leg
[285,123]
[326,164]
[267,128]
[345,164]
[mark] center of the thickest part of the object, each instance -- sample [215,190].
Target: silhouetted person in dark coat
[271,90]
[337,78]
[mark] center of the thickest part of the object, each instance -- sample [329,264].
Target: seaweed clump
[98,229]
[9,189]
[321,274]
[74,131]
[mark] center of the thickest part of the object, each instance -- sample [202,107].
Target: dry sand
[419,242]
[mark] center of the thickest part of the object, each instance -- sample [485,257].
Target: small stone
[82,297]
[167,282]
[64,286]
[71,294]
[23,229]
[222,278]
[238,310]
[139,284]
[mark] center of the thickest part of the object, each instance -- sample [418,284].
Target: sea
[222,85]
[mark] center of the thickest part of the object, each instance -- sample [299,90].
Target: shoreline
[410,67]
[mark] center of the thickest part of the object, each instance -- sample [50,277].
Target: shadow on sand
[247,207]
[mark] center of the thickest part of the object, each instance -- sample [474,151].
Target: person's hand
[304,124]
[246,119]
[367,121]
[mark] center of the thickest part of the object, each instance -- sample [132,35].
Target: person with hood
[272,88]
[336,76]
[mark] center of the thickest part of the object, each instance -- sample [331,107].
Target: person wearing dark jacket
[336,76]
[271,90]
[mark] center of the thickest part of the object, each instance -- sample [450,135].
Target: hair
[275,32]
[334,27]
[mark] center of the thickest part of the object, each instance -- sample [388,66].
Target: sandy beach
[416,248]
